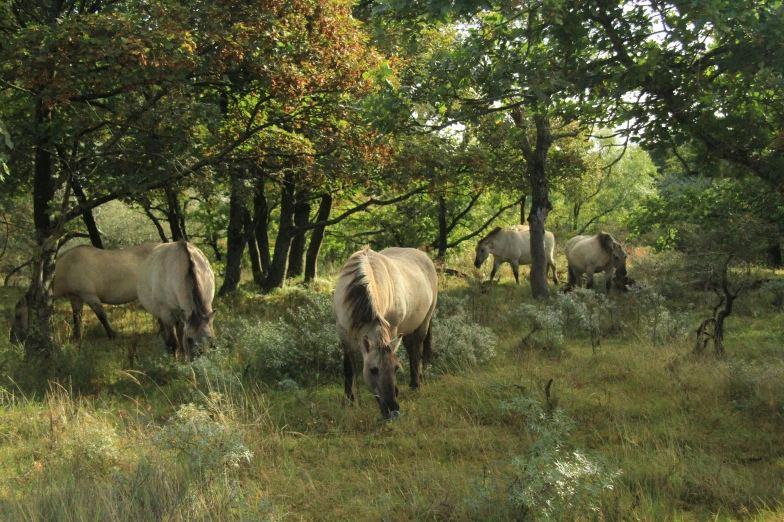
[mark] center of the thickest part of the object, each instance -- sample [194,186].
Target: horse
[380,299]
[85,274]
[591,254]
[176,285]
[512,245]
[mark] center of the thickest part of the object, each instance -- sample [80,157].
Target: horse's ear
[395,344]
[212,315]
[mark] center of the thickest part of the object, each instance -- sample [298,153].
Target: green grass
[696,438]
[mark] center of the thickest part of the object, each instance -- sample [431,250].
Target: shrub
[775,290]
[547,326]
[554,481]
[302,345]
[459,343]
[203,437]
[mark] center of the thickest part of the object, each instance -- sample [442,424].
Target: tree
[130,92]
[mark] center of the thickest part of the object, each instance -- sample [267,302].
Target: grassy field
[634,427]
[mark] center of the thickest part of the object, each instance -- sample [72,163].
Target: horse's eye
[374,371]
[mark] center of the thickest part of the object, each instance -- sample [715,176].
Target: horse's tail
[427,344]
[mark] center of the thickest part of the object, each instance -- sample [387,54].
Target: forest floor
[644,429]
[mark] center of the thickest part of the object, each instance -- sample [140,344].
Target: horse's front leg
[516,271]
[496,265]
[608,275]
[169,337]
[348,371]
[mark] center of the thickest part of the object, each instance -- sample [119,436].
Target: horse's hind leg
[516,272]
[95,303]
[427,344]
[78,306]
[551,263]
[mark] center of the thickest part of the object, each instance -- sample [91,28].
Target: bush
[204,438]
[302,345]
[547,326]
[459,343]
[554,481]
[774,289]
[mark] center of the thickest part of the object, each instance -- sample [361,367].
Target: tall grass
[605,392]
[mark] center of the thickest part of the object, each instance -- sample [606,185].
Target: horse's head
[619,260]
[380,368]
[198,331]
[482,251]
[20,326]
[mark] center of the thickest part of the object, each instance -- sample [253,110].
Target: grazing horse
[176,285]
[512,245]
[380,298]
[591,254]
[85,274]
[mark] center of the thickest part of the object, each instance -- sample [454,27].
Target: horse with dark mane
[176,285]
[590,254]
[382,298]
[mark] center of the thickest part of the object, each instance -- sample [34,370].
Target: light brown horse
[590,254]
[176,285]
[85,274]
[381,298]
[512,245]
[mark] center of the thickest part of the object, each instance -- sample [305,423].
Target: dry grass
[695,438]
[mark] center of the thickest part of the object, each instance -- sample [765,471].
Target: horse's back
[111,275]
[584,252]
[413,283]
[165,284]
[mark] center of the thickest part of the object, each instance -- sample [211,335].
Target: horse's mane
[606,241]
[492,233]
[198,300]
[361,294]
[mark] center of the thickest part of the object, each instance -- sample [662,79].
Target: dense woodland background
[281,137]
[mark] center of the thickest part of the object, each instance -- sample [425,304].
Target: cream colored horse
[85,274]
[176,285]
[512,245]
[380,299]
[591,254]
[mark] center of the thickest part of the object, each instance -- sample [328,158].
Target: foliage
[555,481]
[300,345]
[459,343]
[202,437]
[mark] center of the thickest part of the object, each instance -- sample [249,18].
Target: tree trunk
[235,236]
[540,205]
[87,216]
[297,252]
[261,208]
[522,210]
[316,238]
[774,254]
[575,216]
[40,343]
[276,275]
[156,222]
[443,232]
[253,250]
[175,215]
